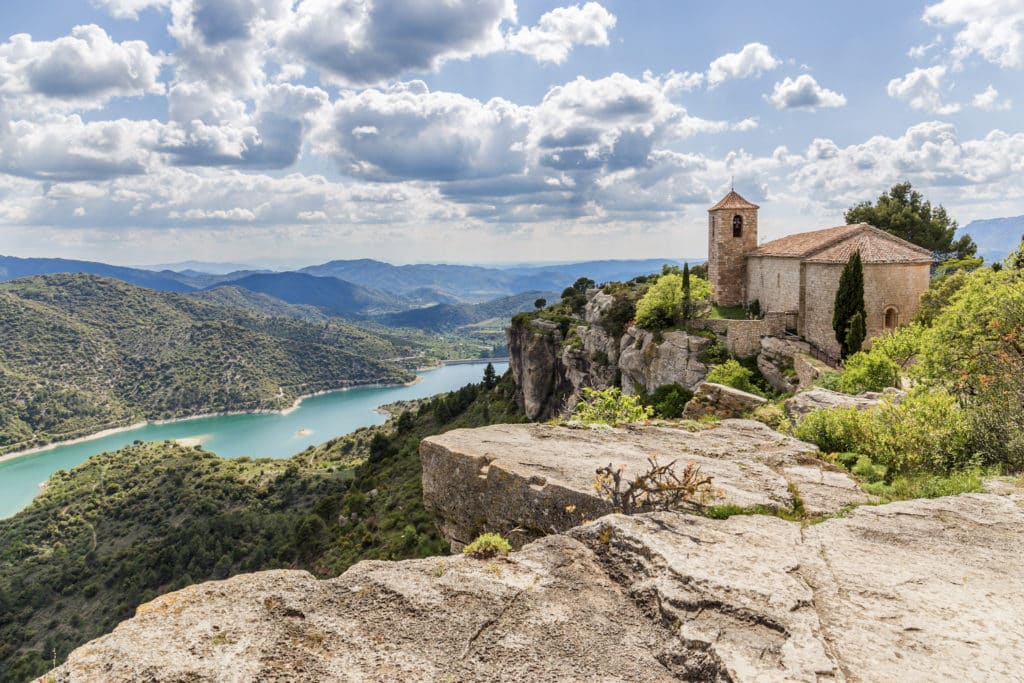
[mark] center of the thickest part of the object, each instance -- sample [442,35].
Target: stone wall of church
[774,282]
[727,255]
[886,286]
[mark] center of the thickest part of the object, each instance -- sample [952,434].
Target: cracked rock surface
[526,481]
[923,590]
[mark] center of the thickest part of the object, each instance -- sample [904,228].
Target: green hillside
[124,527]
[81,353]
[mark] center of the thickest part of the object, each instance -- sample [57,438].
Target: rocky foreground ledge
[919,590]
[527,481]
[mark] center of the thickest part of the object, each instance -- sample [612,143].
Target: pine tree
[849,300]
[490,377]
[855,334]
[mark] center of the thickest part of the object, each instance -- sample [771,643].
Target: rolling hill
[82,353]
[12,267]
[447,317]
[331,295]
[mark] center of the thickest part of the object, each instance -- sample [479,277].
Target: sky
[291,132]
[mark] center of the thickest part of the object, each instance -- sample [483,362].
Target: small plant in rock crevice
[659,488]
[486,546]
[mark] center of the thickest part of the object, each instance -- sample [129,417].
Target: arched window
[737,226]
[892,318]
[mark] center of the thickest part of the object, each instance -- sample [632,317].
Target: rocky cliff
[552,362]
[872,596]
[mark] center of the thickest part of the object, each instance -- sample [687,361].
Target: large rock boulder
[720,401]
[649,360]
[527,481]
[534,350]
[777,361]
[817,398]
[872,596]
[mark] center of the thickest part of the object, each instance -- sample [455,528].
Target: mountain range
[995,237]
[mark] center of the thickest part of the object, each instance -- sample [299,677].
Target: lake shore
[138,425]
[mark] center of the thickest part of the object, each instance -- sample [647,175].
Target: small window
[737,226]
[892,318]
[778,280]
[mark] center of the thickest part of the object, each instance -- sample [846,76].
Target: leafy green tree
[661,306]
[490,377]
[904,212]
[855,335]
[868,371]
[849,300]
[540,303]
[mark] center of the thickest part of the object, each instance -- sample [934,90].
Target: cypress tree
[849,300]
[490,377]
[855,335]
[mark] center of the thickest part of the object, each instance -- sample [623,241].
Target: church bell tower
[732,234]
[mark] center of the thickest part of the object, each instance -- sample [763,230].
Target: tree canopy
[904,212]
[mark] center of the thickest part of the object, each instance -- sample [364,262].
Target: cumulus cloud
[129,9]
[922,89]
[558,31]
[993,29]
[803,92]
[81,70]
[753,60]
[360,43]
[988,99]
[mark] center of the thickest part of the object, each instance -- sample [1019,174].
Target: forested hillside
[445,317]
[81,353]
[124,527]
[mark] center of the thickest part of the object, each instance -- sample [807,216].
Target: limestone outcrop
[720,401]
[527,481]
[777,361]
[872,596]
[552,365]
[648,360]
[817,398]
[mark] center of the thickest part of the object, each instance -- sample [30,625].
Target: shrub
[833,430]
[770,414]
[610,406]
[715,354]
[668,400]
[732,374]
[868,372]
[659,488]
[487,545]
[866,470]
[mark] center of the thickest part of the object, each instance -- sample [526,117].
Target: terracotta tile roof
[836,245]
[733,201]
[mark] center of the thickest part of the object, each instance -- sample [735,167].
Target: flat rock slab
[527,481]
[924,590]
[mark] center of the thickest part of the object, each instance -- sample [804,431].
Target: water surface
[258,435]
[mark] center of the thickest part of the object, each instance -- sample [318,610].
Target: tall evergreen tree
[849,300]
[855,335]
[490,377]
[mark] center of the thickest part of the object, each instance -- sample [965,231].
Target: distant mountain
[333,296]
[12,267]
[477,283]
[995,237]
[446,317]
[257,302]
[82,353]
[207,267]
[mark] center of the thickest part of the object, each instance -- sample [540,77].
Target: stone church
[798,275]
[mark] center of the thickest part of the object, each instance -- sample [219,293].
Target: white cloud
[923,89]
[753,60]
[360,43]
[129,9]
[803,92]
[993,29]
[558,31]
[674,83]
[988,100]
[82,70]
[747,124]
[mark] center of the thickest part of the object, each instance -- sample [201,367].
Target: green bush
[732,374]
[868,372]
[866,470]
[668,400]
[660,307]
[610,406]
[715,354]
[834,430]
[487,545]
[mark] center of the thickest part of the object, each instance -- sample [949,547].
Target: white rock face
[924,590]
[817,398]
